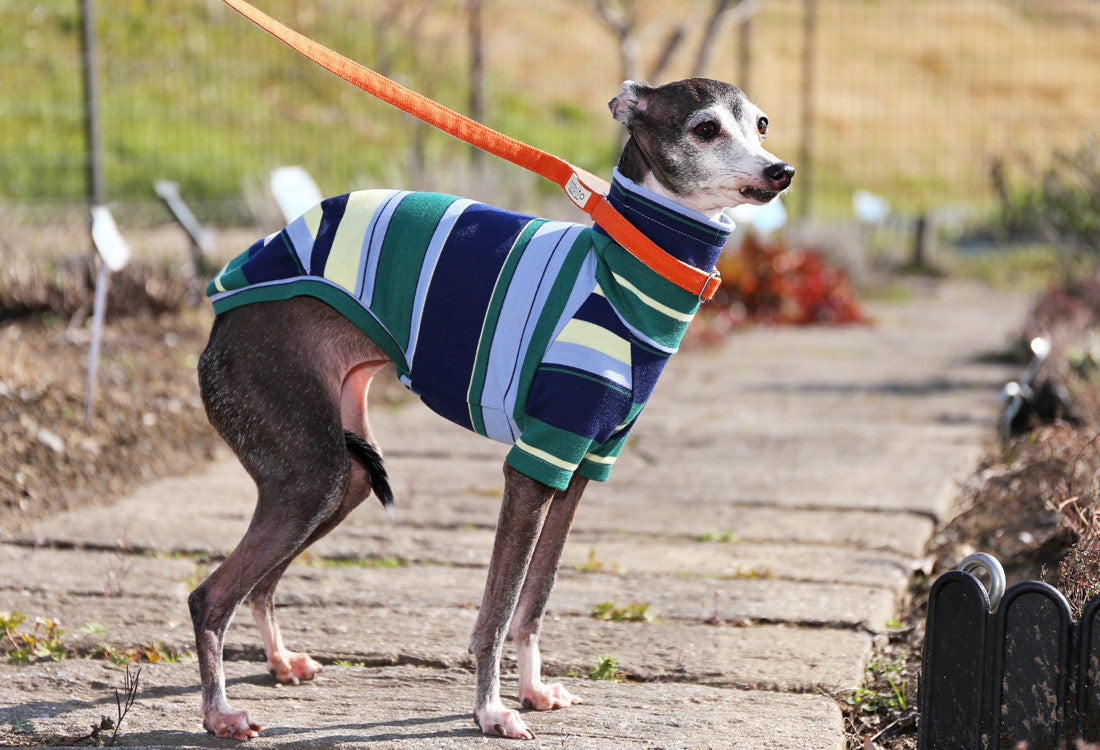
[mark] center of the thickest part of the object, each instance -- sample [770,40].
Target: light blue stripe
[372,246]
[591,360]
[641,335]
[724,223]
[431,257]
[523,302]
[300,238]
[499,425]
[582,289]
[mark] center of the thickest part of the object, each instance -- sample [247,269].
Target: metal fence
[915,100]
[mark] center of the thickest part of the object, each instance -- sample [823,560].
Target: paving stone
[407,707]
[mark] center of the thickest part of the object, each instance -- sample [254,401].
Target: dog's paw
[499,721]
[237,725]
[294,668]
[542,697]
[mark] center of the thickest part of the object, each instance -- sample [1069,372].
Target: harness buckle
[715,276]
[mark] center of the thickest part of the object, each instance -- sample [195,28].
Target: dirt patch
[148,419]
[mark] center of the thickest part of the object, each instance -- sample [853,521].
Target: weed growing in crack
[42,643]
[873,698]
[123,703]
[633,612]
[727,537]
[607,668]
[21,725]
[596,566]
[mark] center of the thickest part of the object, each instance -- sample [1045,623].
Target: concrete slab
[210,511]
[407,707]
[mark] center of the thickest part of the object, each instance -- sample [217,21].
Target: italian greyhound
[454,293]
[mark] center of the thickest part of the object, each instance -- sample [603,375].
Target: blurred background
[943,107]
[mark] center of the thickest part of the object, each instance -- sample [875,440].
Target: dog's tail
[372,462]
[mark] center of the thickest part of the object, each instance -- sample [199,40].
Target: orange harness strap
[584,189]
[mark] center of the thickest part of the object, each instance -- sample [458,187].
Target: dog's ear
[630,105]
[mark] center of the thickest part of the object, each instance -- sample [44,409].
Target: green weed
[630,613]
[316,561]
[597,566]
[41,644]
[872,698]
[607,668]
[21,725]
[721,536]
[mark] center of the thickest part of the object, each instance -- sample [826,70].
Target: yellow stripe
[662,308]
[547,457]
[342,266]
[312,218]
[596,337]
[218,283]
[600,459]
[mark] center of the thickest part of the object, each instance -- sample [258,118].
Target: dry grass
[914,100]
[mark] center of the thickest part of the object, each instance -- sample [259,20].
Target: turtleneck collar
[686,234]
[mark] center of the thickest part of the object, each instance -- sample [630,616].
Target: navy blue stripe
[646,367]
[333,212]
[457,298]
[270,262]
[591,409]
[596,309]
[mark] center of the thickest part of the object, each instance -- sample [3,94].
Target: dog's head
[701,141]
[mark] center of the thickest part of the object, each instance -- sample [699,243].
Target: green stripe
[562,444]
[660,327]
[332,296]
[492,317]
[410,231]
[548,319]
[230,274]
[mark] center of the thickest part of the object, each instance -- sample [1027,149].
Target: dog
[544,335]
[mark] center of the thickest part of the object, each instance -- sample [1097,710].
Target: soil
[147,418]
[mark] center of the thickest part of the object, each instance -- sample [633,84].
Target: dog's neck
[634,164]
[684,233]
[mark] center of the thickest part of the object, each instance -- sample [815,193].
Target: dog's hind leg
[366,475]
[276,399]
[527,621]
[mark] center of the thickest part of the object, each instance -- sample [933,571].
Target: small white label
[577,192]
[108,240]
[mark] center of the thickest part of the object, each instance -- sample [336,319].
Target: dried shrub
[67,289]
[767,281]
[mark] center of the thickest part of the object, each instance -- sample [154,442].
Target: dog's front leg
[522,512]
[527,621]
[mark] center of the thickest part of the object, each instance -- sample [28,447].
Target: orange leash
[584,189]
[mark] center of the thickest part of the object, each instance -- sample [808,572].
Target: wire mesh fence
[916,100]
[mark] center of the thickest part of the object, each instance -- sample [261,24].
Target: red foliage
[766,281]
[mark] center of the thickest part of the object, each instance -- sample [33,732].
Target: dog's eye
[706,130]
[762,126]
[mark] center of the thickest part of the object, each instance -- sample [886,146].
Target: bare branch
[726,12]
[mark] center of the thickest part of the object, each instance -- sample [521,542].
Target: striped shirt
[544,335]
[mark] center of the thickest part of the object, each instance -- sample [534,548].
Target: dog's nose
[780,174]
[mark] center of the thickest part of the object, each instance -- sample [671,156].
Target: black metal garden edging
[1001,670]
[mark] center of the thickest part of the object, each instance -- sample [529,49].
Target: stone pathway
[767,513]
